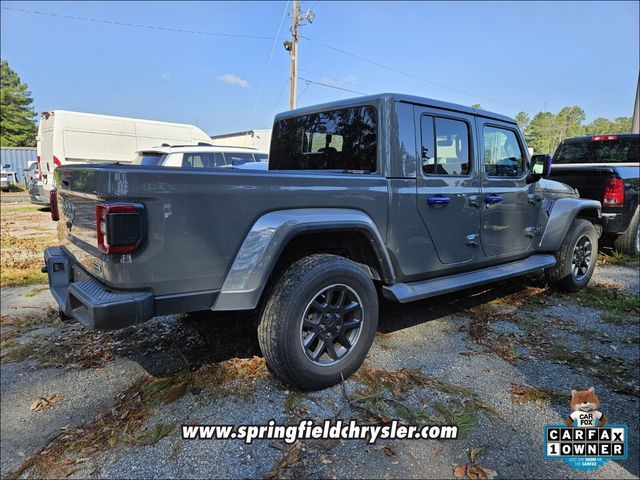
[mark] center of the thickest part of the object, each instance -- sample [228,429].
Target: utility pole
[294,55]
[635,122]
[297,19]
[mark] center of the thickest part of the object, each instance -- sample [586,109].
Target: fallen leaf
[473,454]
[460,470]
[112,442]
[389,451]
[46,403]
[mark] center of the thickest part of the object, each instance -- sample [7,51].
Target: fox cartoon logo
[584,407]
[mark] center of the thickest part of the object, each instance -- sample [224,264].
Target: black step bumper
[92,303]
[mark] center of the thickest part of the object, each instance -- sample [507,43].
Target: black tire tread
[558,274]
[277,305]
[626,243]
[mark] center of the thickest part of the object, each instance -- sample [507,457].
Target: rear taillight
[120,227]
[39,167]
[599,138]
[613,193]
[56,162]
[53,201]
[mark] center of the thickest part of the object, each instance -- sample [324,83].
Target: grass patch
[36,290]
[619,306]
[294,403]
[20,277]
[615,258]
[16,351]
[460,414]
[522,394]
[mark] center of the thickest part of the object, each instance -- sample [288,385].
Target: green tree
[523,120]
[569,123]
[623,125]
[541,132]
[17,126]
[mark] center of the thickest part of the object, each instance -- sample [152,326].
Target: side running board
[408,292]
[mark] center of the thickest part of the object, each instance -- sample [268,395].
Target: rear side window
[445,147]
[620,150]
[502,154]
[261,157]
[343,139]
[202,160]
[237,158]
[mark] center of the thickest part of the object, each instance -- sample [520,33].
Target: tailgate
[589,180]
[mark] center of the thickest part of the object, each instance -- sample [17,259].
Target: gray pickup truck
[388,195]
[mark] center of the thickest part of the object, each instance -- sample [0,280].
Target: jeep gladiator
[390,194]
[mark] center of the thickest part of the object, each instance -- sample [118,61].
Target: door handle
[438,200]
[491,198]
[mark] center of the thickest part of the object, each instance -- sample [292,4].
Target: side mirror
[540,167]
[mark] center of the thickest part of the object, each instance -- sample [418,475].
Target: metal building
[18,159]
[259,139]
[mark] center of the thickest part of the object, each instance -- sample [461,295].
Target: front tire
[576,258]
[629,241]
[318,322]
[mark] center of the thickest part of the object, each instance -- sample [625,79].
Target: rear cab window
[599,149]
[343,139]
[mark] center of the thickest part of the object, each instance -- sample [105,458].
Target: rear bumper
[98,306]
[614,222]
[39,196]
[90,302]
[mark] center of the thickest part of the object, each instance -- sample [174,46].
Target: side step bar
[408,292]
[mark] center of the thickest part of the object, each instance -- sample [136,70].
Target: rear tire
[318,321]
[629,241]
[576,258]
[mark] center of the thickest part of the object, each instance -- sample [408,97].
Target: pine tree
[17,127]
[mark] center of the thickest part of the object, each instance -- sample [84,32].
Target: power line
[340,80]
[407,74]
[332,86]
[275,40]
[136,25]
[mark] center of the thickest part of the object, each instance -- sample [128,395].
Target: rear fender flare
[267,238]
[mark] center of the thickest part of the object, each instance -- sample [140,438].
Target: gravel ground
[486,342]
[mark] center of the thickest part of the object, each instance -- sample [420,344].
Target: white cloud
[165,75]
[235,80]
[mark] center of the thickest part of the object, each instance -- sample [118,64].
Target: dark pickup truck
[395,195]
[606,168]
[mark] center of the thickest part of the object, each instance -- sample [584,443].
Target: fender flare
[267,238]
[563,212]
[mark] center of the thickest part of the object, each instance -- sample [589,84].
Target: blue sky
[507,56]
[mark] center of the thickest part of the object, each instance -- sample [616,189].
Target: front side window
[344,139]
[502,154]
[445,147]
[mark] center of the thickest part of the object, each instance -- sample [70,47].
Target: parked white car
[77,137]
[201,156]
[7,177]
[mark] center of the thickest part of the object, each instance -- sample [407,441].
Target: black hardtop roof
[398,97]
[587,138]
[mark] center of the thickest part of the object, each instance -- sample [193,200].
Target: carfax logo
[586,441]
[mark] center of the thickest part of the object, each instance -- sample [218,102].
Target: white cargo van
[76,137]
